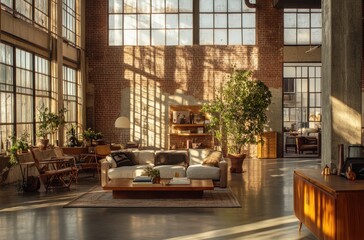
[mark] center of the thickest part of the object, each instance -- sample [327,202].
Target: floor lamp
[123,123]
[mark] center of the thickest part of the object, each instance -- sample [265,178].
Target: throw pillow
[170,158]
[122,159]
[212,159]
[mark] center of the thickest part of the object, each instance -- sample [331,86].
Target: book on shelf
[180,180]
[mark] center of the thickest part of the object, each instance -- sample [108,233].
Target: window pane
[143,37]
[220,6]
[303,36]
[248,20]
[206,21]
[206,5]
[290,36]
[144,21]
[316,20]
[249,36]
[115,21]
[185,20]
[234,20]
[185,5]
[290,20]
[206,36]
[220,20]
[158,6]
[220,37]
[185,37]
[172,37]
[115,37]
[158,37]
[171,5]
[234,5]
[143,6]
[115,6]
[235,37]
[130,6]
[303,20]
[130,21]
[316,36]
[172,21]
[130,37]
[158,21]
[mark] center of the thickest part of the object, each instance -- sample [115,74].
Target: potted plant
[238,114]
[90,135]
[19,145]
[154,174]
[49,123]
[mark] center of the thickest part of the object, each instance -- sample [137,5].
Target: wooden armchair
[54,172]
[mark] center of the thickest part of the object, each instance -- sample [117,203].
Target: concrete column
[341,76]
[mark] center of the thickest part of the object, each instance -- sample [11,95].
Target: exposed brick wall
[155,74]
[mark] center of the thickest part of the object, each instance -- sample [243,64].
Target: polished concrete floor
[264,191]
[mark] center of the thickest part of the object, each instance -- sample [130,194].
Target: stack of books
[142,180]
[180,180]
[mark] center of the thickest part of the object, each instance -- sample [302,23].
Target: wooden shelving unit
[192,129]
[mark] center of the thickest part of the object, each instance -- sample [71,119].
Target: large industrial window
[71,97]
[24,87]
[225,22]
[69,20]
[6,92]
[302,27]
[25,9]
[175,22]
[156,22]
[302,96]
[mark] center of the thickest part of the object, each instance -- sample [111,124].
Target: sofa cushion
[121,158]
[199,171]
[212,159]
[171,158]
[169,171]
[143,157]
[197,155]
[127,171]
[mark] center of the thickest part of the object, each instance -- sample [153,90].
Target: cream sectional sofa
[185,163]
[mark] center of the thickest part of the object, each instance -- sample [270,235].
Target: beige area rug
[98,198]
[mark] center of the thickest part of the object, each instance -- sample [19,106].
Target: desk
[330,206]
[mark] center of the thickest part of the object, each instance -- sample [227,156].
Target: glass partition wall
[301,100]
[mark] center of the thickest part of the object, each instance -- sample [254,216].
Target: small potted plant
[19,145]
[49,123]
[89,136]
[154,174]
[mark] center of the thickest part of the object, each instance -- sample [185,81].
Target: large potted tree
[238,114]
[49,123]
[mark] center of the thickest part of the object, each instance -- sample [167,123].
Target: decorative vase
[236,162]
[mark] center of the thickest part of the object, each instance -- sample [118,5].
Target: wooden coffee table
[124,188]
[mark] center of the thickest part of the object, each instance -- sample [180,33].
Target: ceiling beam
[297,3]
